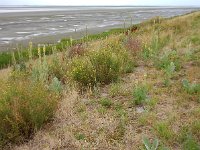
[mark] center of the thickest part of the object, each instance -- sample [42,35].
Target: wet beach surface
[49,25]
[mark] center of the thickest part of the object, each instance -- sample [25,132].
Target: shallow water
[29,23]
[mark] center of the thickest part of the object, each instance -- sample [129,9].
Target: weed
[164,131]
[107,103]
[190,144]
[80,136]
[165,61]
[152,103]
[169,70]
[119,131]
[148,145]
[102,110]
[40,71]
[190,88]
[115,89]
[140,95]
[56,85]
[195,39]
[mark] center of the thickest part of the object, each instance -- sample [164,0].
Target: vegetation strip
[134,90]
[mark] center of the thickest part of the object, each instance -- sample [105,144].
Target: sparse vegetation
[87,88]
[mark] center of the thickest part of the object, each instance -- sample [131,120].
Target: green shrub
[55,85]
[169,71]
[106,65]
[140,95]
[57,68]
[25,107]
[102,66]
[165,61]
[191,88]
[40,71]
[126,61]
[82,71]
[153,48]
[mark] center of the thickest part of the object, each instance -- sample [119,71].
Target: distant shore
[53,39]
[43,27]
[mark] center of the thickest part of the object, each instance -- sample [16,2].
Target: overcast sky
[102,2]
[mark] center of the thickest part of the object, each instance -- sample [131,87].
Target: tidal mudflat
[49,24]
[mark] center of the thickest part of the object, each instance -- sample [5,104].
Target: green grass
[105,102]
[164,131]
[80,136]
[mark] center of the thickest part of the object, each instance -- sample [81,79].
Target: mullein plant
[14,63]
[41,69]
[30,49]
[71,41]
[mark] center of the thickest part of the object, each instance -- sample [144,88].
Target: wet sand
[49,26]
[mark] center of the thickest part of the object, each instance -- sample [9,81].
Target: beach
[50,24]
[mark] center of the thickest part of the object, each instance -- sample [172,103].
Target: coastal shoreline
[57,36]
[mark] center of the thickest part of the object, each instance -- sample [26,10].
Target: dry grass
[83,122]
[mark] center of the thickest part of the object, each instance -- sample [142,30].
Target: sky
[103,2]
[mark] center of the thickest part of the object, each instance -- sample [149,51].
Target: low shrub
[106,65]
[168,73]
[82,71]
[133,45]
[77,50]
[191,88]
[102,66]
[140,95]
[165,61]
[25,107]
[57,68]
[106,102]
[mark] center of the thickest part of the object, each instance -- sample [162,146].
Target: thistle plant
[148,145]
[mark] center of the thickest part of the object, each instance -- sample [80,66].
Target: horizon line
[109,5]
